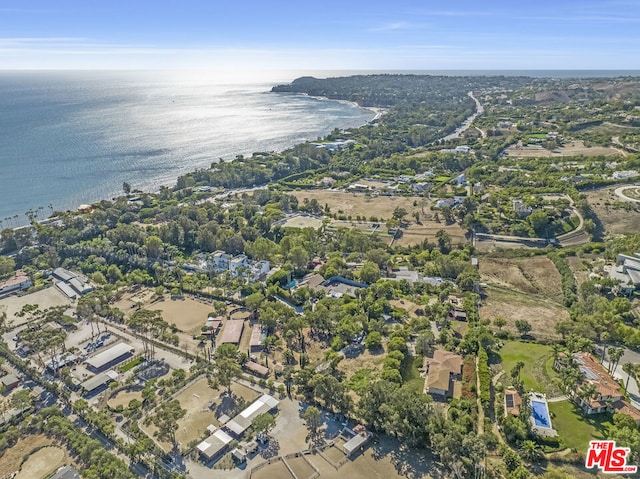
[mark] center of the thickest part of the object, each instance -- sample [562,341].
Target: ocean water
[68,138]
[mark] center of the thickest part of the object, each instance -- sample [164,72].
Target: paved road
[633,390]
[620,193]
[467,123]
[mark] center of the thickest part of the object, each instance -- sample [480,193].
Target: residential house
[9,382]
[521,208]
[19,281]
[512,402]
[627,271]
[442,371]
[608,392]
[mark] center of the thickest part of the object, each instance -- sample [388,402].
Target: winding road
[467,123]
[620,193]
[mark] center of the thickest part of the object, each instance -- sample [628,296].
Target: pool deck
[540,417]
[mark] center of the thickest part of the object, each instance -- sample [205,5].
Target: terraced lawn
[537,373]
[576,430]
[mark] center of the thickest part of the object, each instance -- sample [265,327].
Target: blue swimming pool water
[540,413]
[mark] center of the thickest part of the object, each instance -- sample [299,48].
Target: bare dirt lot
[537,275]
[203,405]
[616,216]
[572,148]
[14,457]
[123,398]
[418,233]
[409,306]
[42,463]
[300,467]
[275,470]
[187,314]
[357,204]
[300,221]
[45,298]
[511,305]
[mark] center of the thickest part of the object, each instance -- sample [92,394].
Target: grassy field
[575,429]
[411,375]
[537,373]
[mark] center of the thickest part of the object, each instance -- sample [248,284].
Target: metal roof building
[99,381]
[239,424]
[215,444]
[110,357]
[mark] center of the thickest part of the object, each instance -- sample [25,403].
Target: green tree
[499,322]
[370,272]
[7,265]
[166,420]
[154,246]
[444,241]
[530,451]
[264,423]
[523,326]
[425,343]
[628,368]
[374,340]
[313,418]
[399,213]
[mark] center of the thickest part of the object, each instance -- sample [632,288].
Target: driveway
[633,357]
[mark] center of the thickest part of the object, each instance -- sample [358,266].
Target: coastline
[378,111]
[69,199]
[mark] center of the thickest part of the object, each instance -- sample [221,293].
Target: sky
[304,35]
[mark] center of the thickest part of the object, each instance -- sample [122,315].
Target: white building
[19,281]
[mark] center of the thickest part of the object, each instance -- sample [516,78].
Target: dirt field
[613,212]
[275,470]
[201,403]
[536,275]
[123,398]
[409,306]
[302,222]
[364,360]
[13,457]
[511,305]
[416,234]
[300,467]
[386,460]
[357,204]
[42,463]
[187,314]
[45,298]
[570,149]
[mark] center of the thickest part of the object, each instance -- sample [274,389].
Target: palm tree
[628,368]
[615,353]
[586,393]
[530,451]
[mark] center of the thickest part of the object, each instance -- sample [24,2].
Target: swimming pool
[540,414]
